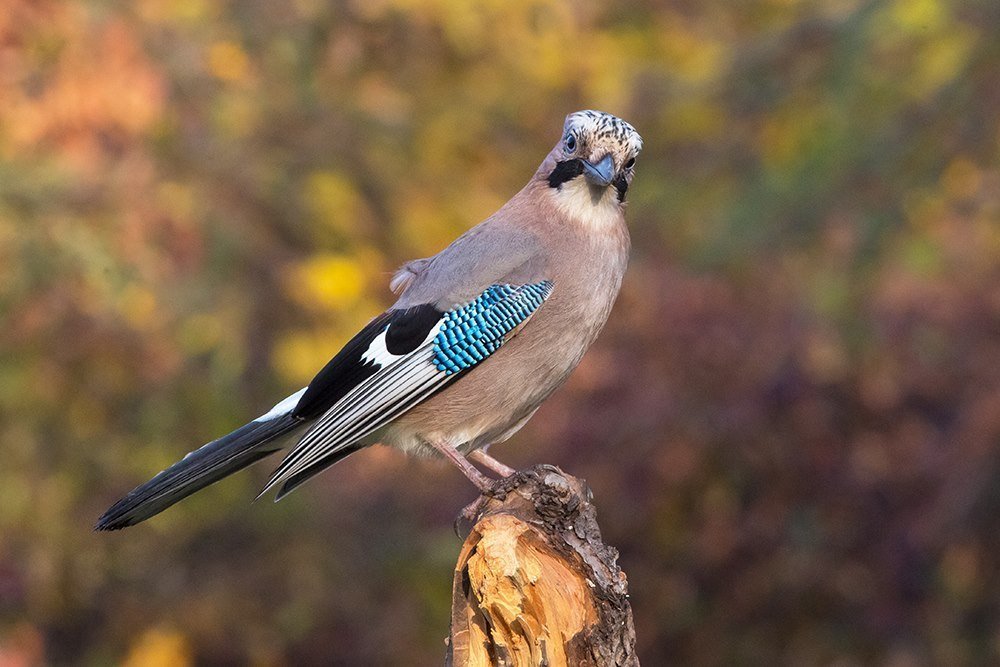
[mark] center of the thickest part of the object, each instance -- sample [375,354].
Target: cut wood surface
[535,584]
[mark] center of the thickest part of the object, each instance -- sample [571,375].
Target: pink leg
[483,482]
[481,457]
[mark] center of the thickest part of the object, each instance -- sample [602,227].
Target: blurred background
[791,424]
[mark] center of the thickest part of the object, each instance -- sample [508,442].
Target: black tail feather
[197,470]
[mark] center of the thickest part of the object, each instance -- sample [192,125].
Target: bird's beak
[601,173]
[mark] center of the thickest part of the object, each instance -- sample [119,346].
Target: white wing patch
[284,407]
[378,353]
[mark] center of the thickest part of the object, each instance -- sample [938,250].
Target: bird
[480,335]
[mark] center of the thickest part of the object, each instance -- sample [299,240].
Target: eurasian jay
[482,333]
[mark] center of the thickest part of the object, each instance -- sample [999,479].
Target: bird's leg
[481,457]
[472,510]
[483,482]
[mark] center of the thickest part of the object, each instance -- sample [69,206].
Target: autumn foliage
[791,424]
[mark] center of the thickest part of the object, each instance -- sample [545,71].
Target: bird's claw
[470,512]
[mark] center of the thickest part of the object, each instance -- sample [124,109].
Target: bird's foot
[498,490]
[486,485]
[469,513]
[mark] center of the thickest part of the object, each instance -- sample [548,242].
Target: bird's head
[593,163]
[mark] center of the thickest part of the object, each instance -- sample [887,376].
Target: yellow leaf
[328,281]
[335,201]
[200,333]
[159,648]
[138,306]
[299,355]
[962,178]
[918,15]
[941,60]
[227,61]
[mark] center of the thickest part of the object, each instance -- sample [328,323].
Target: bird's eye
[570,143]
[630,163]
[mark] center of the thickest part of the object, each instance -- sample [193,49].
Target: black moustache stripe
[621,185]
[566,170]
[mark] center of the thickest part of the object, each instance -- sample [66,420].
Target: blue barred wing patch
[476,330]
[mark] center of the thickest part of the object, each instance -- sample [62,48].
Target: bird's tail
[200,468]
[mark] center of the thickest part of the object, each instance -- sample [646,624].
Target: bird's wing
[502,249]
[401,359]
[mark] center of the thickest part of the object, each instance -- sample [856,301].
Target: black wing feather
[406,330]
[344,372]
[409,328]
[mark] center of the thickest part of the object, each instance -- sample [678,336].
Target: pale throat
[591,207]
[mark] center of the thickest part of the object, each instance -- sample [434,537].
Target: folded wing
[413,354]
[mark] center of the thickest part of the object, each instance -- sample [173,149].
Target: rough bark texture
[535,584]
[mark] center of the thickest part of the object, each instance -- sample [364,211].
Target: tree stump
[535,584]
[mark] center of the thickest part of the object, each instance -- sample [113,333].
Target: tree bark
[535,584]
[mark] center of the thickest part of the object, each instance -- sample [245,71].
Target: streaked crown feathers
[600,130]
